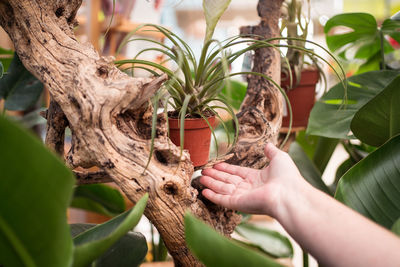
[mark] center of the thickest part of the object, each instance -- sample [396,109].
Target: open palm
[249,190]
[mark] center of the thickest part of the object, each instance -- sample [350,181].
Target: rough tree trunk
[261,112]
[110,119]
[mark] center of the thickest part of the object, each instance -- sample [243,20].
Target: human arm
[334,234]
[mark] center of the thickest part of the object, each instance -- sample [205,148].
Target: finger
[271,151]
[222,176]
[223,200]
[235,170]
[217,186]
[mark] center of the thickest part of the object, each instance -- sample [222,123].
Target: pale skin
[333,233]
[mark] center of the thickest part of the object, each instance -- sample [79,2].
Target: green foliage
[215,250]
[267,241]
[233,93]
[35,190]
[213,10]
[33,224]
[382,114]
[307,168]
[331,116]
[372,186]
[396,227]
[1,70]
[365,38]
[99,198]
[5,59]
[92,243]
[20,89]
[129,250]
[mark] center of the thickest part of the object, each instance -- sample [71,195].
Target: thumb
[271,151]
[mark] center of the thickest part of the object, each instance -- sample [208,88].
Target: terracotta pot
[197,138]
[302,97]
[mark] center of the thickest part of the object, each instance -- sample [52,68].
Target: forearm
[334,234]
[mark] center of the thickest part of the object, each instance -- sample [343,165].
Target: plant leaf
[382,114]
[99,198]
[372,186]
[331,117]
[35,190]
[213,10]
[19,87]
[234,93]
[307,168]
[214,250]
[363,25]
[270,242]
[96,241]
[130,250]
[396,227]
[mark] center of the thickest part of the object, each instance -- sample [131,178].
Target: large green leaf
[130,250]
[330,118]
[364,40]
[99,198]
[35,190]
[307,168]
[363,26]
[93,243]
[382,114]
[270,242]
[215,250]
[213,10]
[19,87]
[372,186]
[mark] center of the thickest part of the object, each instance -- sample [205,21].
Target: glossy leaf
[372,186]
[19,87]
[363,27]
[364,38]
[96,241]
[382,114]
[35,190]
[331,116]
[213,10]
[130,250]
[307,168]
[396,227]
[270,242]
[99,198]
[323,152]
[215,250]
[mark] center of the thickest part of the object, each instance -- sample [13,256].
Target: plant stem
[383,65]
[305,258]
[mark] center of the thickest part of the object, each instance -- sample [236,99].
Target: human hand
[250,190]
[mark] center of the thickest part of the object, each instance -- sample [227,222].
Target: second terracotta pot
[197,138]
[302,98]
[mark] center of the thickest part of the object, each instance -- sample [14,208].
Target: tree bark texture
[109,116]
[110,119]
[261,112]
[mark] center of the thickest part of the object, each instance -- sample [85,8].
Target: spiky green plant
[194,85]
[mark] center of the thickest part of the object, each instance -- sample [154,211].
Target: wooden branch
[261,112]
[56,124]
[85,177]
[110,120]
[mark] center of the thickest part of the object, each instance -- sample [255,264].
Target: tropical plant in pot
[299,76]
[193,90]
[194,86]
